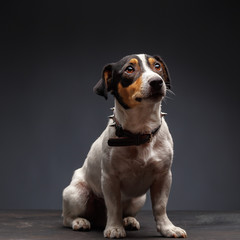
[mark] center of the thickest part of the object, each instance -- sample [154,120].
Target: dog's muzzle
[156,88]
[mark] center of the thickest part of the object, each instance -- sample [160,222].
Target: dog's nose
[156,84]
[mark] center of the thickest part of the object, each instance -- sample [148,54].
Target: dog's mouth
[155,95]
[151,96]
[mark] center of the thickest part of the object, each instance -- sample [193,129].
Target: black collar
[126,138]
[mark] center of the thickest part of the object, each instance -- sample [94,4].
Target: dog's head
[135,79]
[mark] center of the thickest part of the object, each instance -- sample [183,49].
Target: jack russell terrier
[133,154]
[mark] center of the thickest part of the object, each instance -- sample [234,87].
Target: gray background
[51,56]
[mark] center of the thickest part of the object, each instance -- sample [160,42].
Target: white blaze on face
[147,75]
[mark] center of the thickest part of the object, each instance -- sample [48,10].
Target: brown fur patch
[151,61]
[134,61]
[130,93]
[164,72]
[161,71]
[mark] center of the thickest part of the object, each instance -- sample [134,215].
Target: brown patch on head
[157,68]
[151,61]
[131,93]
[164,71]
[134,61]
[165,74]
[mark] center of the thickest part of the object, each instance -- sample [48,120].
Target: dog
[133,154]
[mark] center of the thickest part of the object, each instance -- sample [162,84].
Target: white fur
[147,75]
[122,175]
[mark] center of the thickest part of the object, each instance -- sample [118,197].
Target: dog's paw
[172,231]
[114,232]
[81,224]
[130,223]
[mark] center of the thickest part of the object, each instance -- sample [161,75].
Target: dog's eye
[157,66]
[129,69]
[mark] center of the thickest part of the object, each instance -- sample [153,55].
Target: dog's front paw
[114,232]
[81,224]
[131,223]
[172,231]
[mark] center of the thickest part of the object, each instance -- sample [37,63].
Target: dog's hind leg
[75,205]
[130,209]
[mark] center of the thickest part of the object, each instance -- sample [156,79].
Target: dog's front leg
[159,195]
[112,197]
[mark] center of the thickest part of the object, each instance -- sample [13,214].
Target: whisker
[165,101]
[168,97]
[170,91]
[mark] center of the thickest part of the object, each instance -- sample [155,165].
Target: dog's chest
[137,167]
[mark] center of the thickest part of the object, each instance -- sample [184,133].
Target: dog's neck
[140,119]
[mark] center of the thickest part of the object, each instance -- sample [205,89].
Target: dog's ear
[104,84]
[166,76]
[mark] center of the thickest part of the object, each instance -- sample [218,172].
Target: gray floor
[48,225]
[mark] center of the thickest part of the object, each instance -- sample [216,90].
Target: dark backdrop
[52,54]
